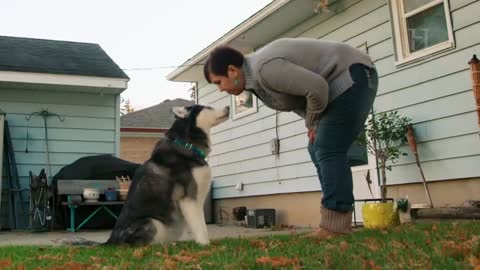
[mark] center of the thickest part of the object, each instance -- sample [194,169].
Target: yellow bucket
[380,215]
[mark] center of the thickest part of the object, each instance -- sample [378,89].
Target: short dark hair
[219,60]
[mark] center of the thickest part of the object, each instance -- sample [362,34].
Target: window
[244,104]
[421,27]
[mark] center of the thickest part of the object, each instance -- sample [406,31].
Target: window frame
[399,21]
[252,110]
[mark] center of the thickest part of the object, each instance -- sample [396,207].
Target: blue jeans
[337,129]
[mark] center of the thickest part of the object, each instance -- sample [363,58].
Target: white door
[361,188]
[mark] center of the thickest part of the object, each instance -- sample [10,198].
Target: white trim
[422,8]
[304,184]
[403,54]
[60,79]
[247,24]
[419,55]
[361,167]
[252,110]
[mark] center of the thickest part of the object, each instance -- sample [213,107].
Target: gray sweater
[301,75]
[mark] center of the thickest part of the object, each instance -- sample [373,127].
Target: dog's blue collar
[192,147]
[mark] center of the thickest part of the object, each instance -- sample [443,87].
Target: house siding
[302,209]
[241,151]
[89,128]
[434,92]
[137,149]
[437,94]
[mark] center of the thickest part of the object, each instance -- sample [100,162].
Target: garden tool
[413,146]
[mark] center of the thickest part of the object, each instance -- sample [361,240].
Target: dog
[168,191]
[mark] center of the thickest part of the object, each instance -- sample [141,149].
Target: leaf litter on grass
[4,263]
[279,261]
[420,246]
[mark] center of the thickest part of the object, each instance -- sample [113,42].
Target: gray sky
[136,34]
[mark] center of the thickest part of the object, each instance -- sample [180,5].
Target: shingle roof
[57,57]
[157,116]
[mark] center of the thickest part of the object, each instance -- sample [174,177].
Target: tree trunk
[384,180]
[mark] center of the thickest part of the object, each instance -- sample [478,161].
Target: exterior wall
[89,128]
[424,91]
[297,209]
[437,94]
[137,149]
[302,209]
[242,152]
[443,193]
[447,136]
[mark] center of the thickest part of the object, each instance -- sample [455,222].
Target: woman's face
[227,83]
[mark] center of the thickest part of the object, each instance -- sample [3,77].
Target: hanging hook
[45,113]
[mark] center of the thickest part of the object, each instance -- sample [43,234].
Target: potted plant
[403,206]
[385,135]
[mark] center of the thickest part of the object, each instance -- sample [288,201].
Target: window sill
[244,113]
[425,54]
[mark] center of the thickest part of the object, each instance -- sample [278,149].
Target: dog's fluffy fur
[168,191]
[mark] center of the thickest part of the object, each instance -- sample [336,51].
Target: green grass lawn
[420,246]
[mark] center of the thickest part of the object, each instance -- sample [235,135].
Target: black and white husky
[168,191]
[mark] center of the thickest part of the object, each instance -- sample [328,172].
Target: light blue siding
[89,128]
[435,92]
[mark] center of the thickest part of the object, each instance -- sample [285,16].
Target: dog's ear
[181,112]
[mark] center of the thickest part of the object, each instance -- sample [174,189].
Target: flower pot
[379,215]
[405,217]
[123,194]
[125,185]
[404,210]
[123,190]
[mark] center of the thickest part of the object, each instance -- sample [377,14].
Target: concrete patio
[63,237]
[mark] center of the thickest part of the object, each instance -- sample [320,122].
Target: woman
[329,84]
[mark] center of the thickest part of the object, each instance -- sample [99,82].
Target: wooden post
[475,70]
[412,142]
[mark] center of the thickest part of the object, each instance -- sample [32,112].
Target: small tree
[126,106]
[193,92]
[386,133]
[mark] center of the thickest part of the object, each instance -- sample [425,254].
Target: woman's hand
[311,135]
